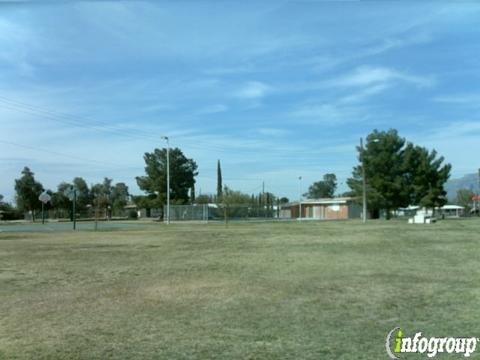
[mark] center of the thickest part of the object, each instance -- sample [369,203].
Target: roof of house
[452,207]
[323,201]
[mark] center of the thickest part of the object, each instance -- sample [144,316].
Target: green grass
[316,290]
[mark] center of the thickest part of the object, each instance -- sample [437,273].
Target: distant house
[444,211]
[322,209]
[452,211]
[411,210]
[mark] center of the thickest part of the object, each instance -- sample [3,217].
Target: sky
[274,90]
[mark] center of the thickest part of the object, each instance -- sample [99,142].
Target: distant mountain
[469,181]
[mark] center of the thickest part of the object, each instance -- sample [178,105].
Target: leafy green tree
[27,192]
[399,174]
[2,207]
[60,202]
[203,199]
[182,176]
[235,204]
[102,196]
[284,200]
[83,195]
[233,197]
[7,211]
[119,197]
[219,181]
[425,175]
[324,188]
[147,202]
[464,198]
[383,158]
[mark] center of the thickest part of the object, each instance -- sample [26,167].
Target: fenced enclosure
[221,212]
[89,214]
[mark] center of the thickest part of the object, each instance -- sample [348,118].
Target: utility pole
[168,178]
[263,199]
[300,198]
[364,184]
[74,209]
[364,178]
[478,194]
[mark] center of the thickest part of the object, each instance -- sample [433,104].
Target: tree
[324,188]
[383,161]
[464,198]
[145,202]
[425,176]
[83,195]
[27,192]
[7,211]
[399,174]
[102,195]
[233,197]
[219,181]
[235,203]
[203,199]
[119,197]
[60,201]
[182,176]
[284,200]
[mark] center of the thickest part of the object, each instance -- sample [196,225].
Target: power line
[83,122]
[89,161]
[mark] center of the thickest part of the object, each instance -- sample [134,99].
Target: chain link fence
[221,212]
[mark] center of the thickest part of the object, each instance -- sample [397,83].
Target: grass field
[316,290]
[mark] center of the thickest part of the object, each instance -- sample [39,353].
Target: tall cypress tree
[219,181]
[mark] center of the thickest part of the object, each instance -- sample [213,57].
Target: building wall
[336,212]
[354,211]
[285,213]
[320,211]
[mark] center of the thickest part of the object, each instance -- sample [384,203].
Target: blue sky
[275,90]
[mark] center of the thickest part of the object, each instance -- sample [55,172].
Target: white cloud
[329,113]
[253,90]
[364,93]
[16,43]
[367,75]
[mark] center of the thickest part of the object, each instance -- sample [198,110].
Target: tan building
[323,209]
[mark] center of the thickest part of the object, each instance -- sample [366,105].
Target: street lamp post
[364,180]
[168,178]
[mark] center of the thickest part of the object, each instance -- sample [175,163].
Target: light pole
[300,198]
[168,178]
[364,180]
[364,184]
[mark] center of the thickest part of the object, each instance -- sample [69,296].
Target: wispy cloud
[16,43]
[253,90]
[365,93]
[331,114]
[367,75]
